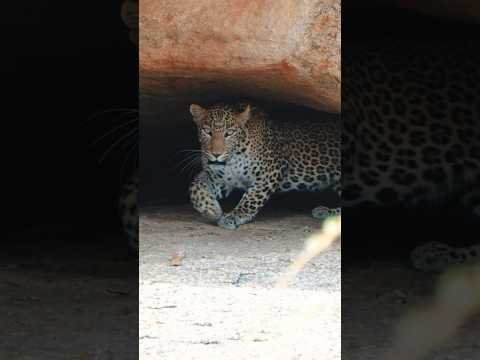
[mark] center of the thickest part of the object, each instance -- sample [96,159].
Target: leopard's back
[411,116]
[411,122]
[312,152]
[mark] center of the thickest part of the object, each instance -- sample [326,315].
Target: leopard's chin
[216,163]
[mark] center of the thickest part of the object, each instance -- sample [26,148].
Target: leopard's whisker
[190,164]
[187,158]
[187,152]
[192,170]
[192,155]
[125,124]
[117,142]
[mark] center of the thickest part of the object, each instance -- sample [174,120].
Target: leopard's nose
[216,154]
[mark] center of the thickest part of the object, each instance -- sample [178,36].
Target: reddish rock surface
[284,50]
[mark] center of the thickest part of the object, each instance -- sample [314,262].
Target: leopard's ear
[198,113]
[243,117]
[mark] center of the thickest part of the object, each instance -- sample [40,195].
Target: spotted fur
[242,148]
[411,118]
[435,256]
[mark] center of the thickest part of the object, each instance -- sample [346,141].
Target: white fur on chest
[236,174]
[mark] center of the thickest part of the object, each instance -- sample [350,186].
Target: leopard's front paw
[209,208]
[228,221]
[233,220]
[322,212]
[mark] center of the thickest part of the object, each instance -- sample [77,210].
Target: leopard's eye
[207,131]
[230,132]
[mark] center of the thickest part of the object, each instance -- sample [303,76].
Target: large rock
[285,50]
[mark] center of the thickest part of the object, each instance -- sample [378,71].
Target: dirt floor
[206,292]
[64,298]
[376,296]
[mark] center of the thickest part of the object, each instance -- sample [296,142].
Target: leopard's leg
[204,195]
[249,206]
[323,212]
[435,256]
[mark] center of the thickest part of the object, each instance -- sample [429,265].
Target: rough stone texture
[287,50]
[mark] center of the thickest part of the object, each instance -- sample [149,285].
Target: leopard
[243,148]
[411,132]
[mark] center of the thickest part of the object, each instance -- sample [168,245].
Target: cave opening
[168,133]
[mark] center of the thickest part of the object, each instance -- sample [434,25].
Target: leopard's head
[219,131]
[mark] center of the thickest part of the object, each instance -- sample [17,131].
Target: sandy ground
[218,301]
[376,296]
[206,293]
[64,298]
[81,300]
